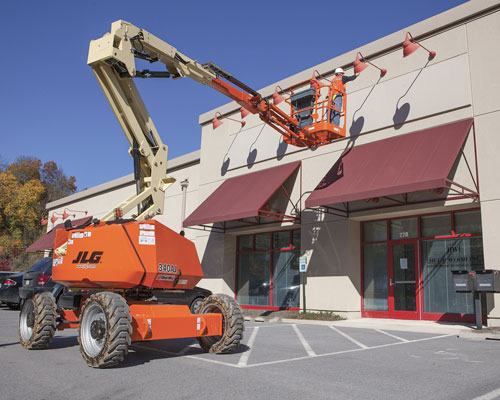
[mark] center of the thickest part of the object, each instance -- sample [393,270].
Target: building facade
[382,217]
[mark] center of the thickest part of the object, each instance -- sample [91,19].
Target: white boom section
[112,59]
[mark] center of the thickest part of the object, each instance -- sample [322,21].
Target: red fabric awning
[407,163]
[242,196]
[46,242]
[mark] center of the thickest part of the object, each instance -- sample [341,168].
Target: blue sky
[52,108]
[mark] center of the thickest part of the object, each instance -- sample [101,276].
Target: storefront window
[375,231]
[468,222]
[281,240]
[254,279]
[245,243]
[410,273]
[439,258]
[375,277]
[286,280]
[269,276]
[436,225]
[404,228]
[263,241]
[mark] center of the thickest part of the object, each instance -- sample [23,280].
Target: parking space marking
[347,351]
[391,335]
[244,357]
[303,341]
[348,337]
[243,362]
[170,353]
[495,394]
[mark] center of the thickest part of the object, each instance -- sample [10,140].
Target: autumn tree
[26,186]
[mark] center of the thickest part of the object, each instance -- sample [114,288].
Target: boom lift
[114,266]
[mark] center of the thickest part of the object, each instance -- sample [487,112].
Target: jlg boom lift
[114,266]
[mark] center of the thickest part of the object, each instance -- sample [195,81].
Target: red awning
[242,196]
[46,242]
[412,162]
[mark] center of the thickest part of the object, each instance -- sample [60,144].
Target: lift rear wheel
[104,330]
[232,324]
[37,321]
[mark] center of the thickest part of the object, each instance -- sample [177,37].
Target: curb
[484,334]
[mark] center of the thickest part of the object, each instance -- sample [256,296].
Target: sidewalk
[466,331]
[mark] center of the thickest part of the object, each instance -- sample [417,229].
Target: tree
[26,186]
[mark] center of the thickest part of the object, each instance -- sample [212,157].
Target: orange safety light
[118,213]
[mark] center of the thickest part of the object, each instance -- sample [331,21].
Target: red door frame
[392,313]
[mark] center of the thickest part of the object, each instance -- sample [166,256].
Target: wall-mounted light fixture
[216,122]
[360,66]
[410,45]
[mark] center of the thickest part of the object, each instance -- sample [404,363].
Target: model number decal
[167,268]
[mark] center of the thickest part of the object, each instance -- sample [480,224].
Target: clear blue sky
[51,106]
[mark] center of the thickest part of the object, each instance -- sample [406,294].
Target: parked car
[191,297]
[9,290]
[39,279]
[14,287]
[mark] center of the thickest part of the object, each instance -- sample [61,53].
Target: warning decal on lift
[146,233]
[147,240]
[149,227]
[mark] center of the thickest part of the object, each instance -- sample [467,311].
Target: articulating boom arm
[112,59]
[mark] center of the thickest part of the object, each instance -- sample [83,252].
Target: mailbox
[488,280]
[464,281]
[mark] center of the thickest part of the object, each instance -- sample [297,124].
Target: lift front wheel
[37,321]
[232,324]
[104,330]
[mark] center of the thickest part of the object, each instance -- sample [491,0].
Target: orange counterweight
[125,255]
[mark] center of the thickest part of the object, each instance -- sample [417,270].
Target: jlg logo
[83,257]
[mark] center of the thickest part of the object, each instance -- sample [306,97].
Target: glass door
[403,280]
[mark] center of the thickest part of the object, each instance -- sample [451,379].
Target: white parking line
[244,357]
[488,396]
[303,340]
[495,394]
[156,350]
[348,337]
[346,351]
[391,335]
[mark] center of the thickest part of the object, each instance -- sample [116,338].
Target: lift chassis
[114,266]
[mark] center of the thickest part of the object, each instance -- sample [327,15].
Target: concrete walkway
[466,331]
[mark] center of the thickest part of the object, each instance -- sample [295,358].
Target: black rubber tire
[44,326]
[117,332]
[233,324]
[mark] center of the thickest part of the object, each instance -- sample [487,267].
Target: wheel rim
[197,306]
[27,320]
[93,330]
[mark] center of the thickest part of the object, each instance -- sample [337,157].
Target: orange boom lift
[114,266]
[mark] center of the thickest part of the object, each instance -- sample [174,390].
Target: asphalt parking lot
[275,360]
